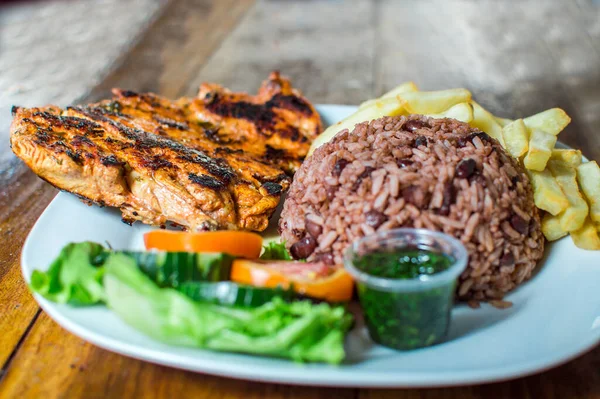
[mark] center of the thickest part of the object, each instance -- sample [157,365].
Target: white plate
[555,317]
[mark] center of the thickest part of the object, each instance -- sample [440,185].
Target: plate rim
[297,374]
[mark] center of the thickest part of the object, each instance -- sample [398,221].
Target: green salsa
[410,263]
[406,319]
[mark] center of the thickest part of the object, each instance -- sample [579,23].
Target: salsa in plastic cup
[406,280]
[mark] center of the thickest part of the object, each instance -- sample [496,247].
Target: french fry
[434,102]
[516,138]
[406,87]
[574,216]
[540,149]
[502,121]
[551,121]
[547,194]
[587,236]
[588,176]
[551,227]
[462,112]
[486,122]
[385,107]
[571,157]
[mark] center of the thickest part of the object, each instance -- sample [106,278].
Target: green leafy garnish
[75,276]
[142,288]
[299,330]
[276,251]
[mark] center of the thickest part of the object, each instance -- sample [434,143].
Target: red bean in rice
[438,174]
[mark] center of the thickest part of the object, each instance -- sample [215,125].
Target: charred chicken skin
[218,161]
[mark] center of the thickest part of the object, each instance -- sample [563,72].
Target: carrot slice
[304,278]
[237,243]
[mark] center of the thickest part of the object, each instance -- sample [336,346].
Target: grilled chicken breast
[218,161]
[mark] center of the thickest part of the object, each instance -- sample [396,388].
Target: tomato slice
[237,243]
[311,279]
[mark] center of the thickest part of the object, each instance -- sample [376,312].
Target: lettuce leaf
[275,251]
[75,276]
[300,330]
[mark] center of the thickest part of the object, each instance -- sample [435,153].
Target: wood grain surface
[30,74]
[517,60]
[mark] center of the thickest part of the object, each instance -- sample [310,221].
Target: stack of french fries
[565,187]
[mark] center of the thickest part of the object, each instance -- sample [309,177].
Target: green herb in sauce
[407,264]
[411,319]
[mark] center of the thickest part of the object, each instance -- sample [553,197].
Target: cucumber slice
[232,294]
[171,269]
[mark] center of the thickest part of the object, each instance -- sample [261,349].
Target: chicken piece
[157,161]
[278,123]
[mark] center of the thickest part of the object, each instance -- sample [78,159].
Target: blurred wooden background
[517,57]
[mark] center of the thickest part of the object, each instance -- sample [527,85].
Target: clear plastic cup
[407,313]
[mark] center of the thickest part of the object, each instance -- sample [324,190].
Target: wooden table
[516,57]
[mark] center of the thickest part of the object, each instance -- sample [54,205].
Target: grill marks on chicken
[278,124]
[200,164]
